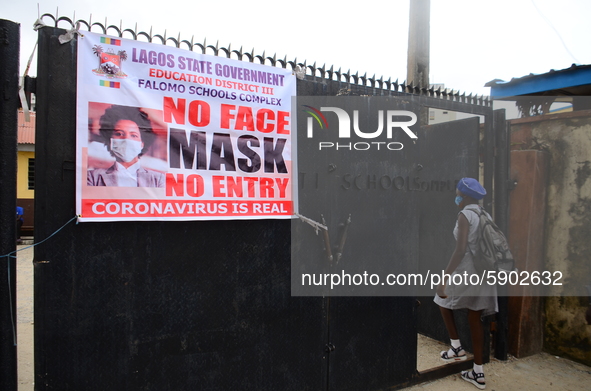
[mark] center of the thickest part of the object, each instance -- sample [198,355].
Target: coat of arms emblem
[109,62]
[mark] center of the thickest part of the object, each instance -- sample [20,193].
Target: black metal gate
[207,305]
[449,151]
[371,340]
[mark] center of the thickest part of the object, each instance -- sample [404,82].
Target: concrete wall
[567,139]
[22,178]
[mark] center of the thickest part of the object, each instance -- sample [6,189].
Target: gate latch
[329,347]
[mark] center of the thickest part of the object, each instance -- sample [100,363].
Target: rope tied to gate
[12,255]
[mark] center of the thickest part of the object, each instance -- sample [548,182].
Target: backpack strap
[478,213]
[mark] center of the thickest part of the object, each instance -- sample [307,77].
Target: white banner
[169,134]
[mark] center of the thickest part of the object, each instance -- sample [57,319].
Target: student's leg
[450,322]
[455,353]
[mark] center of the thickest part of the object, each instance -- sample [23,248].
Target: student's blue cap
[472,188]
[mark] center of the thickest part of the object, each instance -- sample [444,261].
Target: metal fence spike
[324,71]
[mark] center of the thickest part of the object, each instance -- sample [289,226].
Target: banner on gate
[169,134]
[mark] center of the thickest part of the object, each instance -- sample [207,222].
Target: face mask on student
[126,149]
[458,200]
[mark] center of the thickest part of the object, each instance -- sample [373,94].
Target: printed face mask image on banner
[169,134]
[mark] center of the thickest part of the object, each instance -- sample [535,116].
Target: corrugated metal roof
[574,80]
[573,67]
[26,130]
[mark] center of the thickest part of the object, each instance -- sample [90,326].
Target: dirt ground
[541,372]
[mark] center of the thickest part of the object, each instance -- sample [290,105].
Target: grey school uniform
[473,297]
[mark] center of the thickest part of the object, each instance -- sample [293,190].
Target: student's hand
[441,291]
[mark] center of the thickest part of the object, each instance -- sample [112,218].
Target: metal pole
[501,219]
[9,104]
